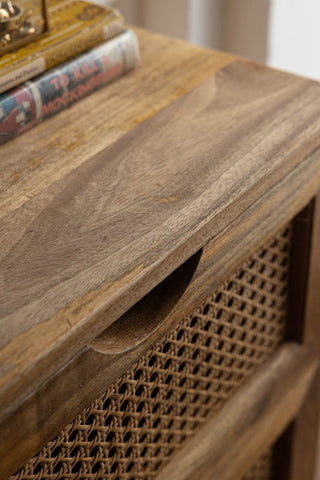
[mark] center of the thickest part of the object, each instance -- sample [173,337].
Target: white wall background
[294,36]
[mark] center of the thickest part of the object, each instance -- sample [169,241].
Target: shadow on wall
[282,33]
[228,25]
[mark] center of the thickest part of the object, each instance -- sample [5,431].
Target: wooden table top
[101,202]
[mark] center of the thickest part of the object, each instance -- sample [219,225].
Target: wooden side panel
[226,446]
[306,431]
[300,253]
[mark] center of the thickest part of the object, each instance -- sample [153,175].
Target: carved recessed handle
[147,316]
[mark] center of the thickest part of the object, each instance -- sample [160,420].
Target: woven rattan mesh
[262,469]
[144,418]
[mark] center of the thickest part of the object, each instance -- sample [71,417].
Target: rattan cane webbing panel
[262,469]
[144,418]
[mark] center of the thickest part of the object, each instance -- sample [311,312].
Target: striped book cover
[55,90]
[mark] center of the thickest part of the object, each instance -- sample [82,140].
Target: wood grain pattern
[88,246]
[32,163]
[227,445]
[169,68]
[41,416]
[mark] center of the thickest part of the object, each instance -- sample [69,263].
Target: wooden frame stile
[297,450]
[306,430]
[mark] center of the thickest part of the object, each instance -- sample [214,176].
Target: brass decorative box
[20,24]
[32,48]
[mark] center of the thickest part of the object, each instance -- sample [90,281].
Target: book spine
[61,47]
[25,106]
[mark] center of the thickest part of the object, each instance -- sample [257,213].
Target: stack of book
[87,48]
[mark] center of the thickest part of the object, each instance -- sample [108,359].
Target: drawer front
[138,424]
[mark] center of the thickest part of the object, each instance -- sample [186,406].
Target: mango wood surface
[168,69]
[42,415]
[87,230]
[248,424]
[31,168]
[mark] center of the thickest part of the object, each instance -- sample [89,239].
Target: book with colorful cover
[55,90]
[75,26]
